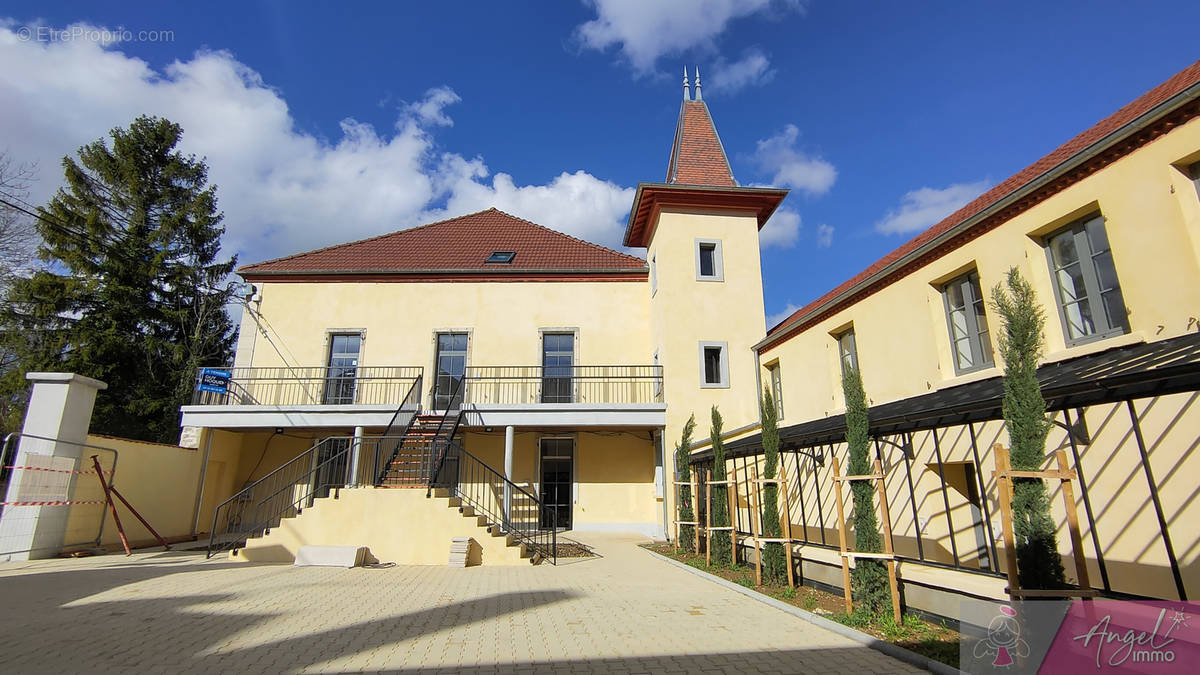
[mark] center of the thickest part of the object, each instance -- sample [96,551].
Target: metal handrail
[309,385]
[472,484]
[574,384]
[307,476]
[412,404]
[446,430]
[8,458]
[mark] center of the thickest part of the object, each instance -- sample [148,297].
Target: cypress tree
[774,559]
[868,581]
[720,541]
[133,293]
[683,472]
[1038,562]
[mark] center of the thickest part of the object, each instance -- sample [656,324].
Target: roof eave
[763,201]
[1177,101]
[427,272]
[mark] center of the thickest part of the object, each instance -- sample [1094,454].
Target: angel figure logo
[1003,640]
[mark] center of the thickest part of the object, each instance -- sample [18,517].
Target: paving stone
[622,612]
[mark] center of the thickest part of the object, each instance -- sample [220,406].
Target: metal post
[800,492]
[1158,510]
[508,473]
[1087,504]
[945,497]
[820,506]
[355,456]
[983,500]
[912,495]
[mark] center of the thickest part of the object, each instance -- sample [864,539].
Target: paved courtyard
[624,612]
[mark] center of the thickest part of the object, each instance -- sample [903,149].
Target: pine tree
[683,472]
[721,541]
[133,293]
[1038,562]
[774,559]
[869,583]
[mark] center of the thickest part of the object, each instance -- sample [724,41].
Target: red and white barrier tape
[55,503]
[42,468]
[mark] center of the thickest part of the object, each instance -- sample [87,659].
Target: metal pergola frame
[1120,375]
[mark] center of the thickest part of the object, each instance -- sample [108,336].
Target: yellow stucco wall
[685,311]
[159,480]
[398,525]
[1153,223]
[400,319]
[614,473]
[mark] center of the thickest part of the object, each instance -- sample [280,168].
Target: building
[574,367]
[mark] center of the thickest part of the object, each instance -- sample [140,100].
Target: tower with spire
[700,231]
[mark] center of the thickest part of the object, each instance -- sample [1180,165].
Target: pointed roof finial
[698,96]
[687,94]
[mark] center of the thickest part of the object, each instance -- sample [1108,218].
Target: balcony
[365,396]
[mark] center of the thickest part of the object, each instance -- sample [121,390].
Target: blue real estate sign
[215,380]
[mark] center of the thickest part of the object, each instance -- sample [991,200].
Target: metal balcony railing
[313,385]
[564,384]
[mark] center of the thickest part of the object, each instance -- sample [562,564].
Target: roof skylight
[501,257]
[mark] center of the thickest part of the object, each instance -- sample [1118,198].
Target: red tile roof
[697,157]
[459,245]
[807,315]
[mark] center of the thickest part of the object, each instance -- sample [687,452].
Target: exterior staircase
[410,466]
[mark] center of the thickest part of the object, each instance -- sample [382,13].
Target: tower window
[709,263]
[714,365]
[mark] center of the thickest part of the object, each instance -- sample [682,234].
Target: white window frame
[776,375]
[1103,325]
[849,332]
[723,365]
[718,260]
[975,336]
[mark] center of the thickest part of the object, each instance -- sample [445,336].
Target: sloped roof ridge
[563,234]
[385,235]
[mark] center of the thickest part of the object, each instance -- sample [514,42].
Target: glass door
[342,369]
[558,359]
[451,365]
[558,460]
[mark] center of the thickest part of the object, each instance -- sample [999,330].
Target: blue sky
[324,124]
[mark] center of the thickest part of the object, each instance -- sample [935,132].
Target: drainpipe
[508,472]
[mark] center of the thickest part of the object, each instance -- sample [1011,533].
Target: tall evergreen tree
[1038,562]
[774,559]
[683,472]
[133,292]
[722,540]
[869,583]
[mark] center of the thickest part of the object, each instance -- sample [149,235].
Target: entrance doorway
[558,469]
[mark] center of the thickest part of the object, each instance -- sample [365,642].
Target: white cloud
[926,206]
[429,110]
[824,236]
[782,230]
[778,156]
[644,31]
[730,77]
[774,319]
[282,189]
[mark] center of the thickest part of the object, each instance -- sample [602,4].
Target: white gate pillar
[60,407]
